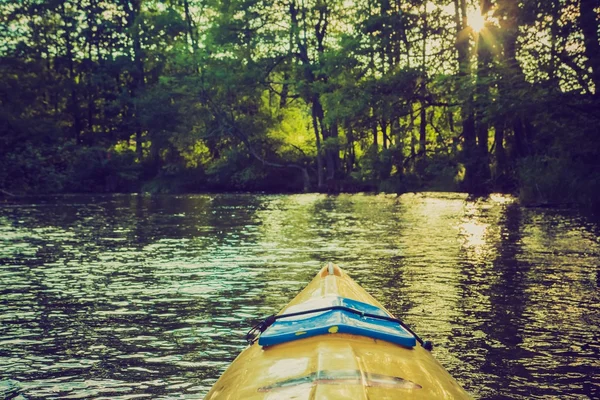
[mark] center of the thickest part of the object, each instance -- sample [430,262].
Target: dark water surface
[123,297]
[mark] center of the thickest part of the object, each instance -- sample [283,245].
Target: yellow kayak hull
[336,365]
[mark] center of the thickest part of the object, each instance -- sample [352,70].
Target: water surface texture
[123,297]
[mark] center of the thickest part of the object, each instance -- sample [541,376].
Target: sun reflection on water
[151,295]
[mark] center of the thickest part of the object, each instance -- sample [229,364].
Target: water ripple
[126,297]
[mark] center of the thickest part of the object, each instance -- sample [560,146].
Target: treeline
[292,95]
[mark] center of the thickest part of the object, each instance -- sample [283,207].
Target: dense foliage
[291,95]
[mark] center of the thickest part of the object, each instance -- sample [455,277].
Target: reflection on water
[149,297]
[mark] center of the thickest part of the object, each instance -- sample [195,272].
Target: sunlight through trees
[289,95]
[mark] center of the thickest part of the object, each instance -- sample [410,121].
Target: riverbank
[72,169]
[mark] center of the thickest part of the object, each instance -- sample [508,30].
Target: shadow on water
[120,296]
[523,299]
[502,322]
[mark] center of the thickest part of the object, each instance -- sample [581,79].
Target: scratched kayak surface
[128,296]
[334,365]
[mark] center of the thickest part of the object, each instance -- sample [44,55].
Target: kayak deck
[335,365]
[335,314]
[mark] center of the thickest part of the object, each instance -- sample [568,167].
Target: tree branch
[229,125]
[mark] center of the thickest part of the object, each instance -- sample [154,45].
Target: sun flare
[476,20]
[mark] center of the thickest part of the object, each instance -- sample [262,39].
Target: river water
[133,296]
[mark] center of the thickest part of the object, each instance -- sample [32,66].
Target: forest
[183,96]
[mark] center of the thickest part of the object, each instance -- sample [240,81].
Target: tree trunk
[423,130]
[139,71]
[589,26]
[396,133]
[500,155]
[350,155]
[284,90]
[463,35]
[133,9]
[423,90]
[384,134]
[320,31]
[315,121]
[484,63]
[191,33]
[413,141]
[509,22]
[74,97]
[555,34]
[332,153]
[374,131]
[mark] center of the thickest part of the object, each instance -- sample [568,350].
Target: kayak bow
[335,341]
